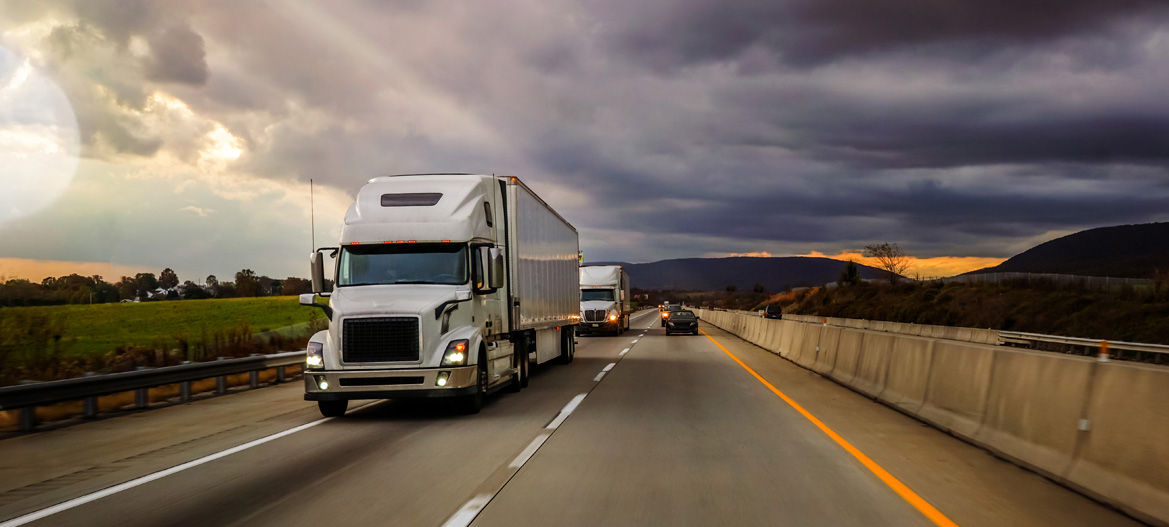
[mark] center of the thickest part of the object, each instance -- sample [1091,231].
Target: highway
[641,429]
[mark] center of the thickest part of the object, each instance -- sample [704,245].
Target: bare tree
[889,257]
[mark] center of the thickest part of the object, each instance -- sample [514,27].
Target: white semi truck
[604,299]
[445,286]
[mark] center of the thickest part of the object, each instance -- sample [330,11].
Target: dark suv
[682,322]
[773,311]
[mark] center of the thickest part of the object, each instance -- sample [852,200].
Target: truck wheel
[332,408]
[525,370]
[517,380]
[523,353]
[567,349]
[471,404]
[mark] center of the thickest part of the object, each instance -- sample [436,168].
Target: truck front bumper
[344,385]
[589,327]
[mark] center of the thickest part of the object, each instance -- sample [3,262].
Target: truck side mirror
[316,262]
[495,268]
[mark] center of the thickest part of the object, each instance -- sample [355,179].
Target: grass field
[87,330]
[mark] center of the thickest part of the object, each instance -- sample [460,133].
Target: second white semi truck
[605,299]
[445,286]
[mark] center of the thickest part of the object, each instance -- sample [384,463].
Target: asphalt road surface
[638,430]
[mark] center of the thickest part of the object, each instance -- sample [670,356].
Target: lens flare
[39,139]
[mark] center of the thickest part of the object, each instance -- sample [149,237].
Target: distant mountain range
[1124,251]
[715,274]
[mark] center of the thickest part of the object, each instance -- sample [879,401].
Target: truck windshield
[372,264]
[596,294]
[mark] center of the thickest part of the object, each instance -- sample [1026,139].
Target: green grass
[89,330]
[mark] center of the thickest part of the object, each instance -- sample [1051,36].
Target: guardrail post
[141,398]
[90,409]
[185,391]
[28,418]
[279,374]
[220,381]
[254,379]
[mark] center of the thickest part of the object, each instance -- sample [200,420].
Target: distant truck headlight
[612,318]
[314,358]
[456,353]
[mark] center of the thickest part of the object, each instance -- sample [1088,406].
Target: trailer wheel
[471,404]
[332,408]
[567,347]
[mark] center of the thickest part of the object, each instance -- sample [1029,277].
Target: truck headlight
[456,353]
[612,318]
[314,357]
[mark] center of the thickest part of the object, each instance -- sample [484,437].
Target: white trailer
[604,299]
[446,286]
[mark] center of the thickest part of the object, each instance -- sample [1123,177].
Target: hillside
[1124,251]
[715,274]
[1125,315]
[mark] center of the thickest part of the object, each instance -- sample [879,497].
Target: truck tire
[567,348]
[523,351]
[332,408]
[517,380]
[471,404]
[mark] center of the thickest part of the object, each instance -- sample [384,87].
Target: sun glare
[39,139]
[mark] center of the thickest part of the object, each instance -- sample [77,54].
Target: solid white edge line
[599,377]
[530,451]
[564,413]
[470,510]
[610,366]
[75,502]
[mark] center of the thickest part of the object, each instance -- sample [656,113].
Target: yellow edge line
[908,495]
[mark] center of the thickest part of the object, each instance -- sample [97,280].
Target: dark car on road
[682,321]
[668,312]
[773,311]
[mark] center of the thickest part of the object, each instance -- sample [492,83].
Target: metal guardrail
[27,397]
[1105,348]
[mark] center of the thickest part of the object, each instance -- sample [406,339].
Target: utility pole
[312,216]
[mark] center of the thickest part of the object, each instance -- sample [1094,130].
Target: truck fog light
[322,383]
[442,378]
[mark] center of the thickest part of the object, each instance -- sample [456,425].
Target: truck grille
[594,315]
[380,339]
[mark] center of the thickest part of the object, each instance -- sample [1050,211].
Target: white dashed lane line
[467,514]
[566,411]
[528,452]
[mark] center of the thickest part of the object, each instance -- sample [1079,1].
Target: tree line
[143,287]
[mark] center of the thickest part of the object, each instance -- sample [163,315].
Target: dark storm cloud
[177,55]
[666,128]
[809,32]
[121,19]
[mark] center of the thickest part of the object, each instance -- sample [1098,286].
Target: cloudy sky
[137,135]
